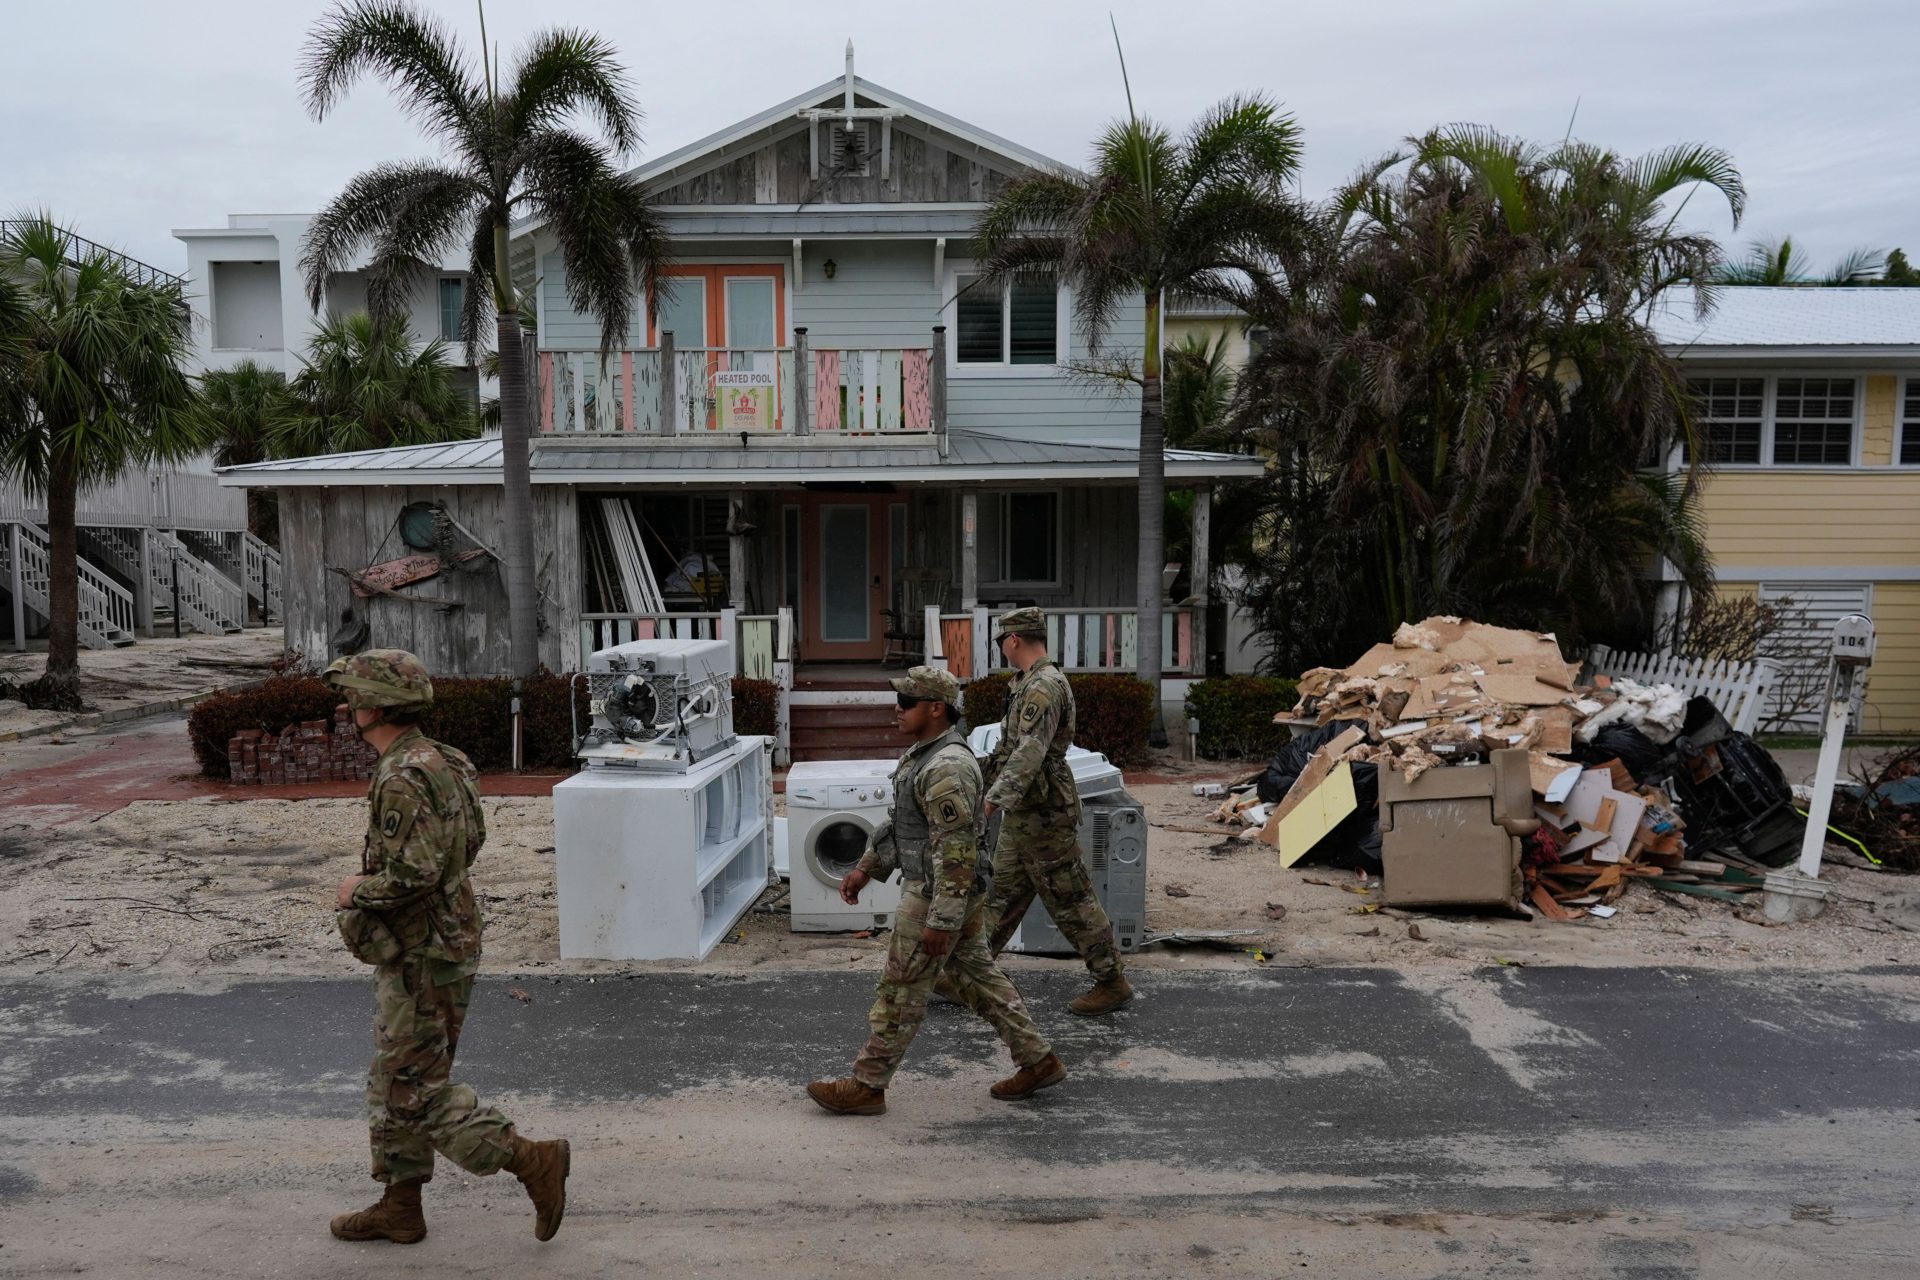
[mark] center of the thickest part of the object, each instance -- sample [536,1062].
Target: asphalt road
[1514,1122]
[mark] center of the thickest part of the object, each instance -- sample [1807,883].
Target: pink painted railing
[1082,639]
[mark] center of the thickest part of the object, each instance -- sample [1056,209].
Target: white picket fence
[1739,689]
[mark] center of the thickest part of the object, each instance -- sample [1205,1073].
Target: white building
[249,296]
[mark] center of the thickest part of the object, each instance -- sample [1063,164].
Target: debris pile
[1582,789]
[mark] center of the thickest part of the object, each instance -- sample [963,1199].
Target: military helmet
[382,678]
[930,684]
[1028,622]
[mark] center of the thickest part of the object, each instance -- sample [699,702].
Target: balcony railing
[761,642]
[1082,639]
[694,391]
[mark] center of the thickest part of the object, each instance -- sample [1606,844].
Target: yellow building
[1811,406]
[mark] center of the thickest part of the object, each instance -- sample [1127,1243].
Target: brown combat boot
[944,992]
[1115,993]
[396,1217]
[1027,1081]
[848,1097]
[542,1169]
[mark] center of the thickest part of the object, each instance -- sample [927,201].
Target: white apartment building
[249,297]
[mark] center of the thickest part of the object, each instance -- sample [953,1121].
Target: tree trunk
[516,410]
[1153,496]
[59,687]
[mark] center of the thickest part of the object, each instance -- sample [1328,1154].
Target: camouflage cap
[381,678]
[930,683]
[1029,621]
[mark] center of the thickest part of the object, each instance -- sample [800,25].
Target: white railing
[761,642]
[1738,689]
[1082,640]
[162,497]
[105,608]
[264,572]
[210,602]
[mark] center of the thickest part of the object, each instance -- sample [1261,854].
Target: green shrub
[1236,715]
[270,706]
[472,713]
[1112,714]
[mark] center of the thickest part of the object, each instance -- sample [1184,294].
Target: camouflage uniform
[931,837]
[416,920]
[1038,848]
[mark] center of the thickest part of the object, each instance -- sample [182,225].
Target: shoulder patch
[1030,711]
[390,824]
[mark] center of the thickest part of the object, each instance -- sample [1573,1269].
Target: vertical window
[1020,538]
[1731,415]
[1014,324]
[453,301]
[1813,422]
[1909,454]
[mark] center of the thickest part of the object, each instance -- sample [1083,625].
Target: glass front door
[845,577]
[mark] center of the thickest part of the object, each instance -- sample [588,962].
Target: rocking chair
[905,634]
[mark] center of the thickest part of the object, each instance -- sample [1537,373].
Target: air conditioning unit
[657,704]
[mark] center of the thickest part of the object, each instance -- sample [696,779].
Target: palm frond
[1660,173]
[612,241]
[413,50]
[561,72]
[354,221]
[1860,266]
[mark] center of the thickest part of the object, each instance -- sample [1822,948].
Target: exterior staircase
[210,602]
[242,559]
[843,718]
[106,614]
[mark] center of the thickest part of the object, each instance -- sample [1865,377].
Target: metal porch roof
[972,456]
[1801,319]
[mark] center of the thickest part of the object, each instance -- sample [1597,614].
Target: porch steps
[860,732]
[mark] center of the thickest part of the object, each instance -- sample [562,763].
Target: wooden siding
[927,168]
[1058,408]
[882,294]
[1879,412]
[352,527]
[1893,683]
[1801,517]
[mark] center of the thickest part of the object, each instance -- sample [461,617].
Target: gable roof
[1792,320]
[971,456]
[684,160]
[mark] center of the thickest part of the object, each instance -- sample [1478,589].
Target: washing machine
[833,806]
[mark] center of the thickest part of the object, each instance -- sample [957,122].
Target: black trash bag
[1623,742]
[1292,757]
[1731,791]
[1356,841]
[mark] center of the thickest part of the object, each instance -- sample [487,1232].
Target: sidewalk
[142,679]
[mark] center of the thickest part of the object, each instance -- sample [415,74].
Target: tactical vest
[911,831]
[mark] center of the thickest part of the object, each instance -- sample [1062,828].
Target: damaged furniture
[1454,837]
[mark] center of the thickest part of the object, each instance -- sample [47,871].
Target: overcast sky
[129,118]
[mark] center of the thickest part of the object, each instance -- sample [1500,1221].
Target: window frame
[440,306]
[1909,386]
[991,570]
[1770,413]
[1004,368]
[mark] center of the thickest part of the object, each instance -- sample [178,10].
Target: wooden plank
[826,390]
[1129,641]
[546,391]
[626,391]
[1112,644]
[868,363]
[1069,650]
[916,395]
[766,176]
[956,640]
[1183,641]
[888,390]
[756,648]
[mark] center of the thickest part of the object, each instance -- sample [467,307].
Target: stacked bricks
[312,751]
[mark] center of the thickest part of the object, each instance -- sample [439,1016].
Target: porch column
[739,563]
[669,410]
[969,549]
[1200,582]
[802,378]
[143,585]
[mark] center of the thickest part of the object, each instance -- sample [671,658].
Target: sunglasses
[906,701]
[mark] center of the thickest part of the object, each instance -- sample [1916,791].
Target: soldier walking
[411,914]
[931,836]
[1038,849]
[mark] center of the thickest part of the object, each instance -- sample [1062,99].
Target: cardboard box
[1453,836]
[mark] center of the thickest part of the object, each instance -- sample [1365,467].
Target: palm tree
[510,154]
[1462,387]
[93,385]
[366,387]
[1781,262]
[1199,388]
[1155,215]
[239,410]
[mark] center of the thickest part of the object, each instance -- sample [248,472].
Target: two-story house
[160,547]
[1810,402]
[249,298]
[829,442]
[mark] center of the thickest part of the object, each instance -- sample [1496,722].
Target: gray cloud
[129,118]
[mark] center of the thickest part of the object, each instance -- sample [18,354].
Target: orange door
[845,575]
[724,305]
